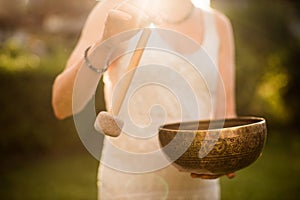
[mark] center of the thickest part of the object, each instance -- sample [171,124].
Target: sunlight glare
[151,25]
[205,4]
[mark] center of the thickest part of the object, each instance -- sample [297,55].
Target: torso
[115,184]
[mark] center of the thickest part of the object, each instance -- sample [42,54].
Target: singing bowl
[213,147]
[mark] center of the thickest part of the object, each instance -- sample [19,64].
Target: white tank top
[171,82]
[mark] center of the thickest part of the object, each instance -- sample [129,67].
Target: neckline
[200,22]
[180,21]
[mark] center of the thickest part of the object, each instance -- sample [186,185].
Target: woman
[209,28]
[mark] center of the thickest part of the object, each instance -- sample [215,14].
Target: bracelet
[88,63]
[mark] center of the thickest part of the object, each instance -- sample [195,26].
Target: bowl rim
[260,120]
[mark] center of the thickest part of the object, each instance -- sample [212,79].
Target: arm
[106,20]
[226,65]
[63,85]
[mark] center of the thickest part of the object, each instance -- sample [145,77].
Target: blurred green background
[43,158]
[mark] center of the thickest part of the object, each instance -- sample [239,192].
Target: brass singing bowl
[213,147]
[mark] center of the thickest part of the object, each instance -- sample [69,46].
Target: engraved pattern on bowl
[224,150]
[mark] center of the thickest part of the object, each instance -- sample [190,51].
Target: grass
[274,176]
[72,177]
[30,127]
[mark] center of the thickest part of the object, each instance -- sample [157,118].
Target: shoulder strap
[211,41]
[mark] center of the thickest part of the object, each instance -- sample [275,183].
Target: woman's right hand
[125,17]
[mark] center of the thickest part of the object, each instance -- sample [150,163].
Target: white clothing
[165,182]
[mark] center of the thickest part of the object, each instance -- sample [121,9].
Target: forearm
[62,92]
[75,86]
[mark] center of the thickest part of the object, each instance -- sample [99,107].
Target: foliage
[27,121]
[33,13]
[267,36]
[15,57]
[267,49]
[267,43]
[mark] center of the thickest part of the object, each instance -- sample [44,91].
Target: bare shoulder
[223,23]
[221,18]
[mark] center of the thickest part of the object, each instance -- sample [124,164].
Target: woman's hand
[206,176]
[123,18]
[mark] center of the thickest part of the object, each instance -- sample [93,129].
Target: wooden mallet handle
[133,64]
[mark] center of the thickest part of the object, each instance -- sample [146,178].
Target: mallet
[106,122]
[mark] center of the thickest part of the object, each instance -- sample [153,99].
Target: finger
[138,14]
[204,176]
[119,15]
[114,21]
[193,175]
[230,175]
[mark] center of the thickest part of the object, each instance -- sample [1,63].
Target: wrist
[96,57]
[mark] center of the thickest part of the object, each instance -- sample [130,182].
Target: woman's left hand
[207,176]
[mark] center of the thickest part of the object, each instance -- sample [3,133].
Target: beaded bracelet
[88,63]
